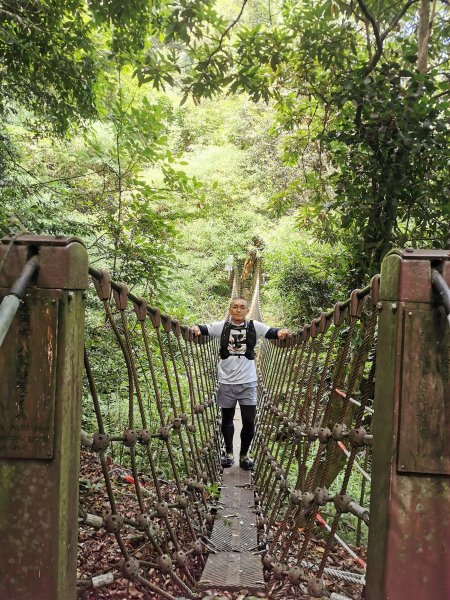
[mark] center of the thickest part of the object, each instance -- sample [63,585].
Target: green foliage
[47,60]
[303,276]
[391,179]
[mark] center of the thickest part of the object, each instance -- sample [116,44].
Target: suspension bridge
[353,435]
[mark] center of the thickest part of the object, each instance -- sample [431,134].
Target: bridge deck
[234,567]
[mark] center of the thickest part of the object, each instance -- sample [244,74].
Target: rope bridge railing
[314,424]
[170,424]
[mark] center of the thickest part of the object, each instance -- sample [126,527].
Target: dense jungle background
[175,136]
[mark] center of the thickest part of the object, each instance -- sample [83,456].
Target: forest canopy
[168,135]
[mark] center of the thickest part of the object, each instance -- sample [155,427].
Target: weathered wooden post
[41,363]
[409,536]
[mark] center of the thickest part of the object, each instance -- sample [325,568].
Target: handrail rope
[11,302]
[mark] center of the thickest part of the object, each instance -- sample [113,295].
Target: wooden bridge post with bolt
[409,550]
[40,404]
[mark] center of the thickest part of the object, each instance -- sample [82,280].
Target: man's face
[238,311]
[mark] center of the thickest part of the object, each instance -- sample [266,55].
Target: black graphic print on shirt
[237,343]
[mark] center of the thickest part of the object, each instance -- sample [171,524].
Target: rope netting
[313,441]
[166,444]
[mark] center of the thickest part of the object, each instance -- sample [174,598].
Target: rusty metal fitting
[295,575]
[190,485]
[260,522]
[143,521]
[340,431]
[191,428]
[312,433]
[176,423]
[113,523]
[291,427]
[278,474]
[375,290]
[204,476]
[100,442]
[144,436]
[283,485]
[295,497]
[176,328]
[325,322]
[273,464]
[279,570]
[167,323]
[209,518]
[317,588]
[357,436]
[180,558]
[315,325]
[307,499]
[268,562]
[199,486]
[322,496]
[164,433]
[340,313]
[130,437]
[103,285]
[181,501]
[342,502]
[184,418]
[198,409]
[300,430]
[140,310]
[306,332]
[130,568]
[162,509]
[121,296]
[187,333]
[164,563]
[285,421]
[155,317]
[197,547]
[324,434]
[356,303]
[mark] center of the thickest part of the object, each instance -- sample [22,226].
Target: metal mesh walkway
[233,567]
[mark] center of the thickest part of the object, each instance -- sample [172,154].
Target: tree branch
[223,36]
[381,37]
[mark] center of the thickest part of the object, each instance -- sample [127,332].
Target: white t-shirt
[237,368]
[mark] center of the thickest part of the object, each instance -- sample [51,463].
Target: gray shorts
[228,394]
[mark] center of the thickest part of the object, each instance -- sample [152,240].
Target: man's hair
[238,298]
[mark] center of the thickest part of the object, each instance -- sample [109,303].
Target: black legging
[248,414]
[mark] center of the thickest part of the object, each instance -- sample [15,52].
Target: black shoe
[246,463]
[227,461]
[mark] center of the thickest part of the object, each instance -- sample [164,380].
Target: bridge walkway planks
[234,567]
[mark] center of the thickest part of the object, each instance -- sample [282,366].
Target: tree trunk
[426,17]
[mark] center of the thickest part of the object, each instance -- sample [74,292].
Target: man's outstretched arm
[276,333]
[199,330]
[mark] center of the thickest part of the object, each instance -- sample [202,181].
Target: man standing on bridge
[237,373]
